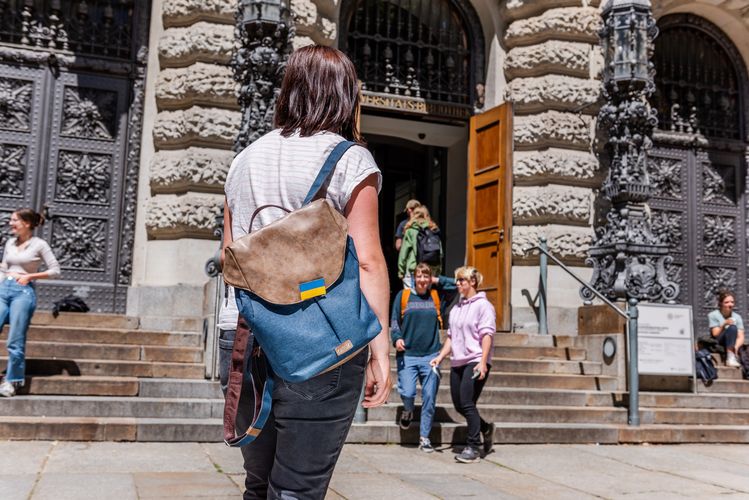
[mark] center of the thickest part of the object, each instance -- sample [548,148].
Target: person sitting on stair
[727,327]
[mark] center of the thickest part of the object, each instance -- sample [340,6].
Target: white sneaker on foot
[7,390]
[732,361]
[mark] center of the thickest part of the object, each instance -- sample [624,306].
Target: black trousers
[465,392]
[297,450]
[727,337]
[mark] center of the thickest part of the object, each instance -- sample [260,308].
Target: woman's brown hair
[319,92]
[723,295]
[30,217]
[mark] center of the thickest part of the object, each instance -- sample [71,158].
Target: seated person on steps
[727,327]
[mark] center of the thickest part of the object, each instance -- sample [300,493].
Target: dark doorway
[409,170]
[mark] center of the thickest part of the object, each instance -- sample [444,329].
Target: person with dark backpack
[422,242]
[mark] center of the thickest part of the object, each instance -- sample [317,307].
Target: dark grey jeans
[296,452]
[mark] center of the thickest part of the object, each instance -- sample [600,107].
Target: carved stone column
[628,260]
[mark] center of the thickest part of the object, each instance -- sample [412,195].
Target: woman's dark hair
[30,217]
[319,92]
[723,295]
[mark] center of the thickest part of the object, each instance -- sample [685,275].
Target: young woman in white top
[22,258]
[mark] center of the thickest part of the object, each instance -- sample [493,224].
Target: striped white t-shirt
[277,170]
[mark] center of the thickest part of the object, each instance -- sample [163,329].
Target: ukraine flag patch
[311,289]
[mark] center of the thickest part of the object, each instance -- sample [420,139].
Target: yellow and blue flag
[311,289]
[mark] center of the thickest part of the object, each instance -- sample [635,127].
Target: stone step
[526,396]
[522,339]
[111,429]
[112,368]
[98,320]
[729,373]
[510,413]
[88,406]
[689,400]
[692,416]
[504,364]
[175,388]
[123,352]
[558,433]
[79,335]
[734,386]
[81,385]
[541,380]
[530,352]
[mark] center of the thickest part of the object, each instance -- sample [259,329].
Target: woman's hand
[21,279]
[482,369]
[436,361]
[400,346]
[378,385]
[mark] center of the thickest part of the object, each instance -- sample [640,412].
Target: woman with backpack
[23,256]
[469,343]
[316,111]
[416,323]
[421,243]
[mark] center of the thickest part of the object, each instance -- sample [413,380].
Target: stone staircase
[100,377]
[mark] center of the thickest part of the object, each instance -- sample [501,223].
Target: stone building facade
[540,55]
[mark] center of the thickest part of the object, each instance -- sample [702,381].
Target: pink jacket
[470,321]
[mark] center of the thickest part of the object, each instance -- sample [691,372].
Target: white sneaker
[732,361]
[7,390]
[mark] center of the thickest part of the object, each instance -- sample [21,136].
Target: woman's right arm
[362,214]
[444,352]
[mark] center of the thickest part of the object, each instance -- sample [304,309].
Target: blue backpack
[705,367]
[297,287]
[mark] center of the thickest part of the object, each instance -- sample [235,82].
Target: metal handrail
[631,315]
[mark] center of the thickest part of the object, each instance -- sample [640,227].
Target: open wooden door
[489,214]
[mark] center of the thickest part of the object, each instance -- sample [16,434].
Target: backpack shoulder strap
[327,168]
[436,299]
[404,300]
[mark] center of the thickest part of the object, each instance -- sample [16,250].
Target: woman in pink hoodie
[470,337]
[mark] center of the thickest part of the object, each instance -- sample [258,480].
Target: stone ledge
[522,9]
[310,23]
[189,216]
[200,83]
[191,169]
[552,128]
[579,24]
[551,205]
[187,12]
[196,126]
[562,93]
[556,166]
[553,56]
[568,243]
[201,42]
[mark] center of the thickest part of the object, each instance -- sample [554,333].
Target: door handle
[500,234]
[48,211]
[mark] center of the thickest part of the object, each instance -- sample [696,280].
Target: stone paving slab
[79,471]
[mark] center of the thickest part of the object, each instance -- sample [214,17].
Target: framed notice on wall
[664,340]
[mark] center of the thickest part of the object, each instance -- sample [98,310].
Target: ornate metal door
[698,164]
[70,114]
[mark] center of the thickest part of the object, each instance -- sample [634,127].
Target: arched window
[697,82]
[431,49]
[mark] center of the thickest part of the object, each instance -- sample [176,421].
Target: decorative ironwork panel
[83,177]
[719,235]
[12,169]
[89,113]
[666,177]
[719,184]
[713,280]
[668,226]
[697,84]
[432,49]
[15,104]
[4,234]
[80,242]
[93,27]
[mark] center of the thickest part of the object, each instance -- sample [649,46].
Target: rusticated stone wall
[552,67]
[197,112]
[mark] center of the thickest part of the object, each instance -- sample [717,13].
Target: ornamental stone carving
[309,22]
[573,23]
[553,128]
[190,169]
[201,83]
[15,104]
[89,113]
[564,93]
[186,12]
[565,242]
[12,169]
[556,165]
[83,177]
[80,242]
[554,56]
[205,42]
[187,216]
[196,126]
[551,204]
[517,9]
[719,235]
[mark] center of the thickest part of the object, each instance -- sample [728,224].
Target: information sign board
[664,340]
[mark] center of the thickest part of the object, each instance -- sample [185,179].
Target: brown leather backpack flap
[300,247]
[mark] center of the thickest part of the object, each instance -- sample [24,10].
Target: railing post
[543,326]
[633,417]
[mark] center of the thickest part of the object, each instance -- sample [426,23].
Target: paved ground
[119,471]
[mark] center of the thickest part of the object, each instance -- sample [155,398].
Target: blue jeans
[410,370]
[17,304]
